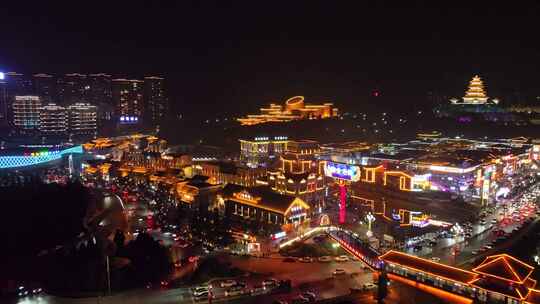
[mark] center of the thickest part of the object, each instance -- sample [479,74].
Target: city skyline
[191,152]
[345,58]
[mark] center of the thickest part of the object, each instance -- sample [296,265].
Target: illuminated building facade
[26,112]
[72,88]
[99,91]
[230,173]
[16,85]
[475,94]
[300,173]
[197,193]
[128,100]
[155,101]
[44,87]
[261,150]
[263,205]
[82,119]
[294,109]
[3,100]
[53,120]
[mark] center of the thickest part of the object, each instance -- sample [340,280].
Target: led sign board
[342,171]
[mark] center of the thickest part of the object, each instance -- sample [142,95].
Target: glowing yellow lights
[294,109]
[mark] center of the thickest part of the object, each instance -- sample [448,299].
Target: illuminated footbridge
[498,279]
[28,156]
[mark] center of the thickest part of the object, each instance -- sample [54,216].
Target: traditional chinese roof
[505,267]
[437,269]
[265,198]
[533,297]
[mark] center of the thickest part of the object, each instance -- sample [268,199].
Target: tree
[149,258]
[119,240]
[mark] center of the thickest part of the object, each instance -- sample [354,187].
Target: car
[436,259]
[299,300]
[305,259]
[258,289]
[202,295]
[325,259]
[198,291]
[339,271]
[234,291]
[270,282]
[342,258]
[369,286]
[228,283]
[311,296]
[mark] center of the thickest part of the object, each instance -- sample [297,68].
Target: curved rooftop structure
[294,108]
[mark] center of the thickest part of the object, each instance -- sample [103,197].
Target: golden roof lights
[294,109]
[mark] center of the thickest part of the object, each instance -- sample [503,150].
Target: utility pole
[108,275]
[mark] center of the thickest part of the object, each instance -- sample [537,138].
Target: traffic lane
[299,272]
[139,296]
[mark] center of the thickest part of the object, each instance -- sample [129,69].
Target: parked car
[310,296]
[305,259]
[342,258]
[299,300]
[197,291]
[339,271]
[258,289]
[269,282]
[228,283]
[436,259]
[369,286]
[202,295]
[325,259]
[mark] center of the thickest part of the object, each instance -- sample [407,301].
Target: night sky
[238,57]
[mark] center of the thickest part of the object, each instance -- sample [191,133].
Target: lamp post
[369,218]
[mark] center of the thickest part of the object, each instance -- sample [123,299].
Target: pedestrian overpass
[498,279]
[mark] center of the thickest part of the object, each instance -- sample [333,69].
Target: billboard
[126,119]
[342,171]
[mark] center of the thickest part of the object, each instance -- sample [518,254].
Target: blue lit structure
[36,157]
[342,171]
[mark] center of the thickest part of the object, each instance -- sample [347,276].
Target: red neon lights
[342,200]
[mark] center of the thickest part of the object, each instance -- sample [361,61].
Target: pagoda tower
[476,93]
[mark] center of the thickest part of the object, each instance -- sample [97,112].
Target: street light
[369,218]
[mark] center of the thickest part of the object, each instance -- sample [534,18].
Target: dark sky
[249,53]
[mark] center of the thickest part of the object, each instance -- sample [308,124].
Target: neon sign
[342,171]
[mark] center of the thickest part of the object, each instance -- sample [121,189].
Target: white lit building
[82,119]
[26,112]
[53,120]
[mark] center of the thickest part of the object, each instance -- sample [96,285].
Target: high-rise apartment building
[53,120]
[72,88]
[128,100]
[26,110]
[44,86]
[82,118]
[3,100]
[155,100]
[100,90]
[16,85]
